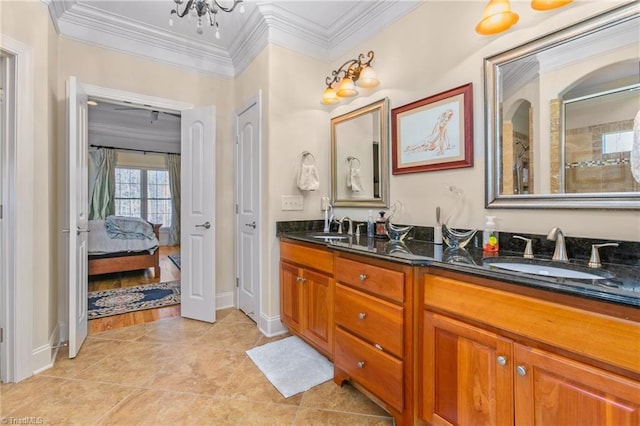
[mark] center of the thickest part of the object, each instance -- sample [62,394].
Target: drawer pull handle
[360,364]
[521,370]
[378,347]
[362,315]
[300,279]
[362,277]
[502,360]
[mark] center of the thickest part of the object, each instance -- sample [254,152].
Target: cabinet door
[318,302]
[290,296]
[467,374]
[553,390]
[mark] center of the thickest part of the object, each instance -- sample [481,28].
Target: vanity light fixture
[498,17]
[353,72]
[207,8]
[548,4]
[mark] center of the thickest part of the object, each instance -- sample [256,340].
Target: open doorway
[139,145]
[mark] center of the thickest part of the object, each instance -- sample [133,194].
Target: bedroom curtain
[173,165]
[102,203]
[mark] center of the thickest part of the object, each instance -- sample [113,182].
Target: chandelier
[204,8]
[351,72]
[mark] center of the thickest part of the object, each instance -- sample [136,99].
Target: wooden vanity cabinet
[374,319]
[306,293]
[494,357]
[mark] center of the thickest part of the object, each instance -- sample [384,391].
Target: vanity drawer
[319,259]
[374,279]
[375,320]
[377,371]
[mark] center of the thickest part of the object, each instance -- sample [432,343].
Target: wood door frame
[17,254]
[109,94]
[263,322]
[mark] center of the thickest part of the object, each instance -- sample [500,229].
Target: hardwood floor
[168,272]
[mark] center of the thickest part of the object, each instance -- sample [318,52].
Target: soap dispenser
[490,236]
[381,228]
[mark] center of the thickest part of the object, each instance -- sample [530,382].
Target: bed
[121,254]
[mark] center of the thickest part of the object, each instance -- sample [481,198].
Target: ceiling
[133,127]
[325,29]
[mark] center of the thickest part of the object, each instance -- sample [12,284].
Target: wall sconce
[354,71]
[498,17]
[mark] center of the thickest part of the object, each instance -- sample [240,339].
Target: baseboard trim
[271,326]
[45,355]
[224,300]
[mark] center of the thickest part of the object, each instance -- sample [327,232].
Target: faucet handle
[594,261]
[528,251]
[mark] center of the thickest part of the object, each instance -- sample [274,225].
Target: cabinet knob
[521,370]
[360,364]
[362,277]
[502,360]
[300,279]
[362,315]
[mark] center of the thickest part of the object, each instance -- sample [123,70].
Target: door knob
[252,224]
[205,225]
[82,230]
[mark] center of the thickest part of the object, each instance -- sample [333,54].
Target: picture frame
[433,133]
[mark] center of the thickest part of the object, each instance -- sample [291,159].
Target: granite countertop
[623,287]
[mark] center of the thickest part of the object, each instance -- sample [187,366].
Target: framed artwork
[434,133]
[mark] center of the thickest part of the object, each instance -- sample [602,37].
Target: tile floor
[176,371]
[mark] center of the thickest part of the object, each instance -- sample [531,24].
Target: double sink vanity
[440,336]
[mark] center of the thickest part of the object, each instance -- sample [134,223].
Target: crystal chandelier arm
[227,9]
[185,11]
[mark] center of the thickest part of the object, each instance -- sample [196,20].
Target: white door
[197,210]
[78,215]
[248,208]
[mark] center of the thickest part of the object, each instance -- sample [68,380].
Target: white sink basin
[548,270]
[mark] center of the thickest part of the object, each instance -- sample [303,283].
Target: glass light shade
[548,4]
[347,89]
[368,78]
[329,96]
[496,18]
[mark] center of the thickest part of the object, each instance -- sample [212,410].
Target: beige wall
[414,62]
[36,31]
[114,70]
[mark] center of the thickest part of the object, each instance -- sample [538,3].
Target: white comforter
[100,243]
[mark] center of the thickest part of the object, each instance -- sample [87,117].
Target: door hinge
[1,211]
[236,209]
[1,335]
[237,282]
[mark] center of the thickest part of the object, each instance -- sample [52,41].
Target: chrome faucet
[342,219]
[560,253]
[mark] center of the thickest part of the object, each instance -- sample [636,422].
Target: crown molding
[267,23]
[87,24]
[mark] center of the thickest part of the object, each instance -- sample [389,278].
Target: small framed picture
[434,133]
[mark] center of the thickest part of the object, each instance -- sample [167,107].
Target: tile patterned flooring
[176,371]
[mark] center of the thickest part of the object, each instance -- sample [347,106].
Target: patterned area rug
[175,258]
[129,299]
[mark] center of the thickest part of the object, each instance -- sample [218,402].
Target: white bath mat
[291,365]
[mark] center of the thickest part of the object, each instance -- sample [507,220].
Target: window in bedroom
[143,193]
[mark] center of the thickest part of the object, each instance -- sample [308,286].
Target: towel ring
[351,159]
[305,155]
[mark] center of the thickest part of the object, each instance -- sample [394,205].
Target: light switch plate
[292,202]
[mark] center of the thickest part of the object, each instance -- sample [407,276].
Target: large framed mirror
[360,157]
[560,116]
